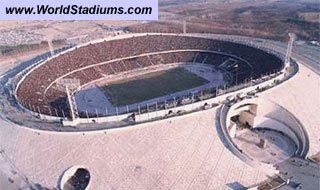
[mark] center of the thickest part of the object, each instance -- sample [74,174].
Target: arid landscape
[268,19]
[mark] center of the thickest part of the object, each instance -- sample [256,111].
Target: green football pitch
[151,85]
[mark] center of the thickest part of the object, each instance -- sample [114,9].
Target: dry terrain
[266,19]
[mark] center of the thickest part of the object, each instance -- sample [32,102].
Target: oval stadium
[104,62]
[162,111]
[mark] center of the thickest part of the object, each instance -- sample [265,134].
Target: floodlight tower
[69,86]
[289,50]
[184,23]
[50,47]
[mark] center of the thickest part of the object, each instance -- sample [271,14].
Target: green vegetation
[151,85]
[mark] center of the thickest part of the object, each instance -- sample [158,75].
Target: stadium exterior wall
[146,116]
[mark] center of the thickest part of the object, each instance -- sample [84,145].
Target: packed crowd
[31,90]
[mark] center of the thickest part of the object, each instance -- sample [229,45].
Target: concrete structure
[259,113]
[68,174]
[280,75]
[184,152]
